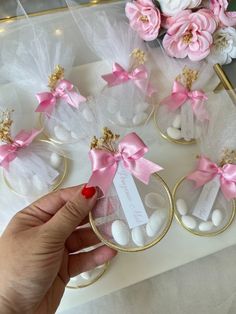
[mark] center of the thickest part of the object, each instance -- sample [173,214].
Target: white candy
[120,232]
[141,106]
[181,206]
[121,119]
[217,217]
[138,236]
[86,275]
[140,118]
[87,114]
[61,133]
[174,133]
[205,226]
[39,184]
[55,160]
[177,122]
[189,222]
[74,135]
[155,222]
[23,186]
[154,200]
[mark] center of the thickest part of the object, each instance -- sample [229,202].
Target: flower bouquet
[193,28]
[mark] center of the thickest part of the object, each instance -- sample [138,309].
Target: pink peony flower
[190,34]
[219,9]
[144,18]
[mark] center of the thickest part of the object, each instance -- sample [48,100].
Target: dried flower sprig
[5,126]
[57,75]
[188,77]
[139,57]
[228,157]
[106,141]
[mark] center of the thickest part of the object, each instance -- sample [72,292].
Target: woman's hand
[35,251]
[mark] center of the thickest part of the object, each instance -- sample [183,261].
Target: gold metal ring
[149,245]
[205,234]
[86,284]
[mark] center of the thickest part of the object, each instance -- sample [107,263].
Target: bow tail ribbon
[47,102]
[199,108]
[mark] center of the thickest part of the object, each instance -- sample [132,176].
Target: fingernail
[88,192]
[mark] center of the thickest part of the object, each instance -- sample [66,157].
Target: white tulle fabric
[31,173]
[218,134]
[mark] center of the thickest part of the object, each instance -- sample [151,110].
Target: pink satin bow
[8,152]
[180,94]
[208,170]
[64,90]
[139,75]
[131,150]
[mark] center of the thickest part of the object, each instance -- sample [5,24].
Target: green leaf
[232,6]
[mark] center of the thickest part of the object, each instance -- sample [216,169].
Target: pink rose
[219,9]
[190,35]
[144,18]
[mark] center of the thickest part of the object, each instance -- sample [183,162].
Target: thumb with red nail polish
[88,192]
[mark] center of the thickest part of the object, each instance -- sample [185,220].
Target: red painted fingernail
[88,192]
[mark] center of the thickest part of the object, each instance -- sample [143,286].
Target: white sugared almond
[138,236]
[181,206]
[154,200]
[217,217]
[174,133]
[120,232]
[177,121]
[55,160]
[189,222]
[155,222]
[205,226]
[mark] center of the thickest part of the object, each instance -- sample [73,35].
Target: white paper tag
[187,121]
[206,199]
[130,199]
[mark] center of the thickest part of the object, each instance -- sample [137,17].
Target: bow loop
[208,170]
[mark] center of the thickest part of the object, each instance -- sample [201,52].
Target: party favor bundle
[30,167]
[182,97]
[41,62]
[205,198]
[128,91]
[135,209]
